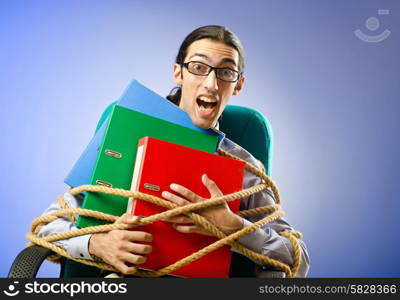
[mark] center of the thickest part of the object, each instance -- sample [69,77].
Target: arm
[265,240]
[77,246]
[122,249]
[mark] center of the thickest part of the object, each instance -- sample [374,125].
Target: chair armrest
[267,272]
[28,262]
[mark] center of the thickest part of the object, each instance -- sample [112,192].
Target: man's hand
[120,248]
[220,216]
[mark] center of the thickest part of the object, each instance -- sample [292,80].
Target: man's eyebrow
[229,60]
[225,60]
[201,55]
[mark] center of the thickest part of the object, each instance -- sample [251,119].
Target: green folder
[117,155]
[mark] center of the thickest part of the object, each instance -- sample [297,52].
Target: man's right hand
[121,248]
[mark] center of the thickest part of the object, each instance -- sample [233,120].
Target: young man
[208,70]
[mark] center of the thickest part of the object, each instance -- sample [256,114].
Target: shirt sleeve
[77,247]
[267,241]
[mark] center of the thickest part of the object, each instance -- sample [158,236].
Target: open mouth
[206,103]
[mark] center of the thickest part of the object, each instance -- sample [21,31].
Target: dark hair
[215,33]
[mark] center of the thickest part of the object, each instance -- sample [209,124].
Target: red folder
[160,163]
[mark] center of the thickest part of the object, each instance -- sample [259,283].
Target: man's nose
[211,81]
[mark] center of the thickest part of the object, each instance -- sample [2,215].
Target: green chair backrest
[246,127]
[250,129]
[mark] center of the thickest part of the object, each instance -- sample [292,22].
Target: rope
[274,212]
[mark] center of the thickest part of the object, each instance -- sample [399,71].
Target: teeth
[208,100]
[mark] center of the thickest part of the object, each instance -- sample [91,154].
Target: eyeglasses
[202,69]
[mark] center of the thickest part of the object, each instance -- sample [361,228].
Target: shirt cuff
[78,247]
[254,240]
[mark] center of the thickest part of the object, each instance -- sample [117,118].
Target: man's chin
[204,120]
[204,124]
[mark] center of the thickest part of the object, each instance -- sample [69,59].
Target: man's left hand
[219,215]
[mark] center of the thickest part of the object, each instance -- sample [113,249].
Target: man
[208,70]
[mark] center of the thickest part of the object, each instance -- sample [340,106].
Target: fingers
[130,258]
[185,228]
[185,192]
[132,236]
[211,186]
[174,198]
[108,244]
[128,255]
[126,262]
[191,229]
[179,219]
[187,196]
[122,249]
[136,248]
[124,269]
[127,219]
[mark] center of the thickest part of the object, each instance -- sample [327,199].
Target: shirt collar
[219,133]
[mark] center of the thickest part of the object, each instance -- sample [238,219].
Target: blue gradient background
[332,99]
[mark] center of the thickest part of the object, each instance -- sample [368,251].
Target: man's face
[205,97]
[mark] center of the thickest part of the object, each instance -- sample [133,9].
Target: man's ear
[177,74]
[239,85]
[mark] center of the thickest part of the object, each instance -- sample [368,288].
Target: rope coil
[274,212]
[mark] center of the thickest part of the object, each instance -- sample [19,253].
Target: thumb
[211,186]
[127,219]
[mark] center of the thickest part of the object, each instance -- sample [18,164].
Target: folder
[160,163]
[139,98]
[117,154]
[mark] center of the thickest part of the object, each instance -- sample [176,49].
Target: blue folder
[139,98]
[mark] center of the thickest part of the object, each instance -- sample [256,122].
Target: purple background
[332,99]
